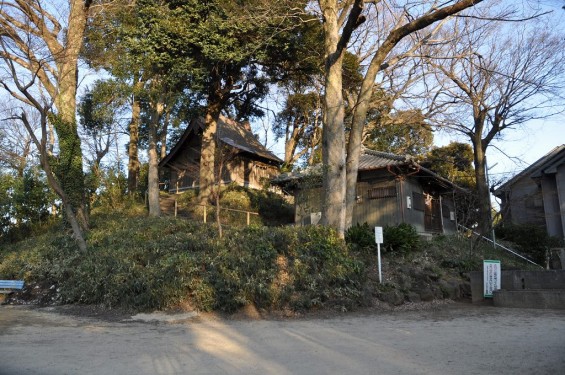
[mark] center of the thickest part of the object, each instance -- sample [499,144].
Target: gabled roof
[373,160]
[369,161]
[230,133]
[547,164]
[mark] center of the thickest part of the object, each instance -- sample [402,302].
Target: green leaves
[143,263]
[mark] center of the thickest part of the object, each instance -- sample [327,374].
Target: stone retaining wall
[519,280]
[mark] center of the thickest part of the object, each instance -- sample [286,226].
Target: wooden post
[205,213]
[248,215]
[176,206]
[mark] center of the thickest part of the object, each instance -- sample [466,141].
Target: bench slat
[11,284]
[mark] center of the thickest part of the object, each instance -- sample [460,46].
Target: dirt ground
[452,338]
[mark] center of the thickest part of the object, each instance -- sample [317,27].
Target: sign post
[491,277]
[379,241]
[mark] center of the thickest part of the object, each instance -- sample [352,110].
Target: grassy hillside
[142,263]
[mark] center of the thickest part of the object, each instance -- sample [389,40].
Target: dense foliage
[156,263]
[25,201]
[401,239]
[530,240]
[140,263]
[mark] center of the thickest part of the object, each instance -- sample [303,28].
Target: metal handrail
[499,245]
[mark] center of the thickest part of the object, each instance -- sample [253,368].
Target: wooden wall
[240,170]
[383,200]
[377,203]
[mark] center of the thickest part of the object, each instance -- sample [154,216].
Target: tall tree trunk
[55,68]
[153,174]
[354,148]
[483,195]
[69,170]
[220,88]
[163,137]
[208,154]
[291,144]
[133,153]
[333,136]
[56,183]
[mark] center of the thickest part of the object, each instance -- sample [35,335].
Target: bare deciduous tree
[16,145]
[496,84]
[341,19]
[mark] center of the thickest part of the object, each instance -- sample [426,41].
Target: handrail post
[205,214]
[248,215]
[176,206]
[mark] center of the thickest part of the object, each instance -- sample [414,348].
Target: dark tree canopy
[400,132]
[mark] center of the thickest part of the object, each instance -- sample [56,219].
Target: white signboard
[379,235]
[491,277]
[379,241]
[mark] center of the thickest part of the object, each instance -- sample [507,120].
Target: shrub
[402,238]
[322,269]
[146,263]
[187,198]
[531,240]
[361,237]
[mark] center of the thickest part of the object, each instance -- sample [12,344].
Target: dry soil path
[454,339]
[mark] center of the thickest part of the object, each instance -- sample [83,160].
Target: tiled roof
[370,160]
[229,132]
[235,135]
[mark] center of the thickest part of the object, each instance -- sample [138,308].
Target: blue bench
[8,286]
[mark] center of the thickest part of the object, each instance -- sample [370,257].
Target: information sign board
[491,277]
[379,235]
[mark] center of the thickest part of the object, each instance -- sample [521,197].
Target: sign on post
[491,277]
[379,235]
[379,241]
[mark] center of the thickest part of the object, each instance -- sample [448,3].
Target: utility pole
[490,201]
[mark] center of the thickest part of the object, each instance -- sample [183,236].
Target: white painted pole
[379,257]
[379,240]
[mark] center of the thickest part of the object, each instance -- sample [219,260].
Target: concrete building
[537,194]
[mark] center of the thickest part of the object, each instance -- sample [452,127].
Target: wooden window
[382,192]
[418,201]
